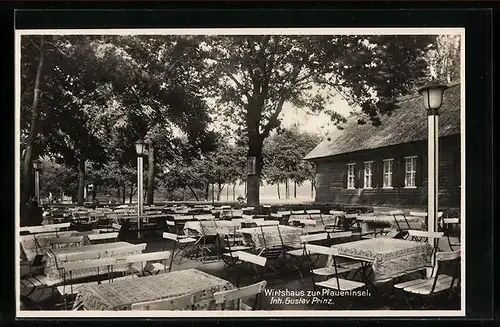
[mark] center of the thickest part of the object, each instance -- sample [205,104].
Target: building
[387,165]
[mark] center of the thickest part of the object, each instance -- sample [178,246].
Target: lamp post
[37,167]
[140,148]
[432,96]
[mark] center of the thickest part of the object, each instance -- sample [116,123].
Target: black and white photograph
[234,172]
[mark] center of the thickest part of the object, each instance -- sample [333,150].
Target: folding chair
[345,267]
[182,243]
[138,263]
[448,225]
[438,283]
[299,255]
[228,246]
[338,224]
[222,298]
[335,283]
[180,303]
[250,259]
[402,230]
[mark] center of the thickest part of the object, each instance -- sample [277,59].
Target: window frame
[413,172]
[390,173]
[371,174]
[348,176]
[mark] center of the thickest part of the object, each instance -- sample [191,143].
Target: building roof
[407,123]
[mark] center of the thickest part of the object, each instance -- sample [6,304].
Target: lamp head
[37,165]
[140,147]
[432,96]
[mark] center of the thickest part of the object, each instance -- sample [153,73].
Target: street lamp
[140,148]
[432,96]
[37,167]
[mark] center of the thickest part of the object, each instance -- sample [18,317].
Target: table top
[380,248]
[272,236]
[120,295]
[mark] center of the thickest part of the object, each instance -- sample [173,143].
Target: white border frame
[238,31]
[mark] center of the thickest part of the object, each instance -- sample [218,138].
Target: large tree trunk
[294,189]
[253,181]
[184,194]
[207,186]
[81,181]
[219,191]
[123,195]
[227,193]
[28,190]
[278,187]
[234,192]
[151,174]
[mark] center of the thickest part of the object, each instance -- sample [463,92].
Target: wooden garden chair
[254,290]
[300,255]
[426,288]
[448,225]
[345,267]
[248,259]
[336,282]
[181,244]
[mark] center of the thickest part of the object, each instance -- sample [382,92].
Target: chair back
[103,236]
[241,293]
[88,255]
[420,235]
[84,264]
[170,236]
[251,258]
[127,249]
[298,212]
[266,222]
[313,237]
[181,303]
[447,258]
[144,258]
[313,212]
[337,213]
[318,249]
[335,235]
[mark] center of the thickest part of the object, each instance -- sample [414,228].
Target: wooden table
[120,295]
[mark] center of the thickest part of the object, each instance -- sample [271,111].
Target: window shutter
[419,171]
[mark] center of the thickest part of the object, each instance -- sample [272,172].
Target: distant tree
[444,59]
[283,158]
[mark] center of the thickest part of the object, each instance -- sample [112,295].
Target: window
[368,174]
[388,164]
[410,171]
[351,176]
